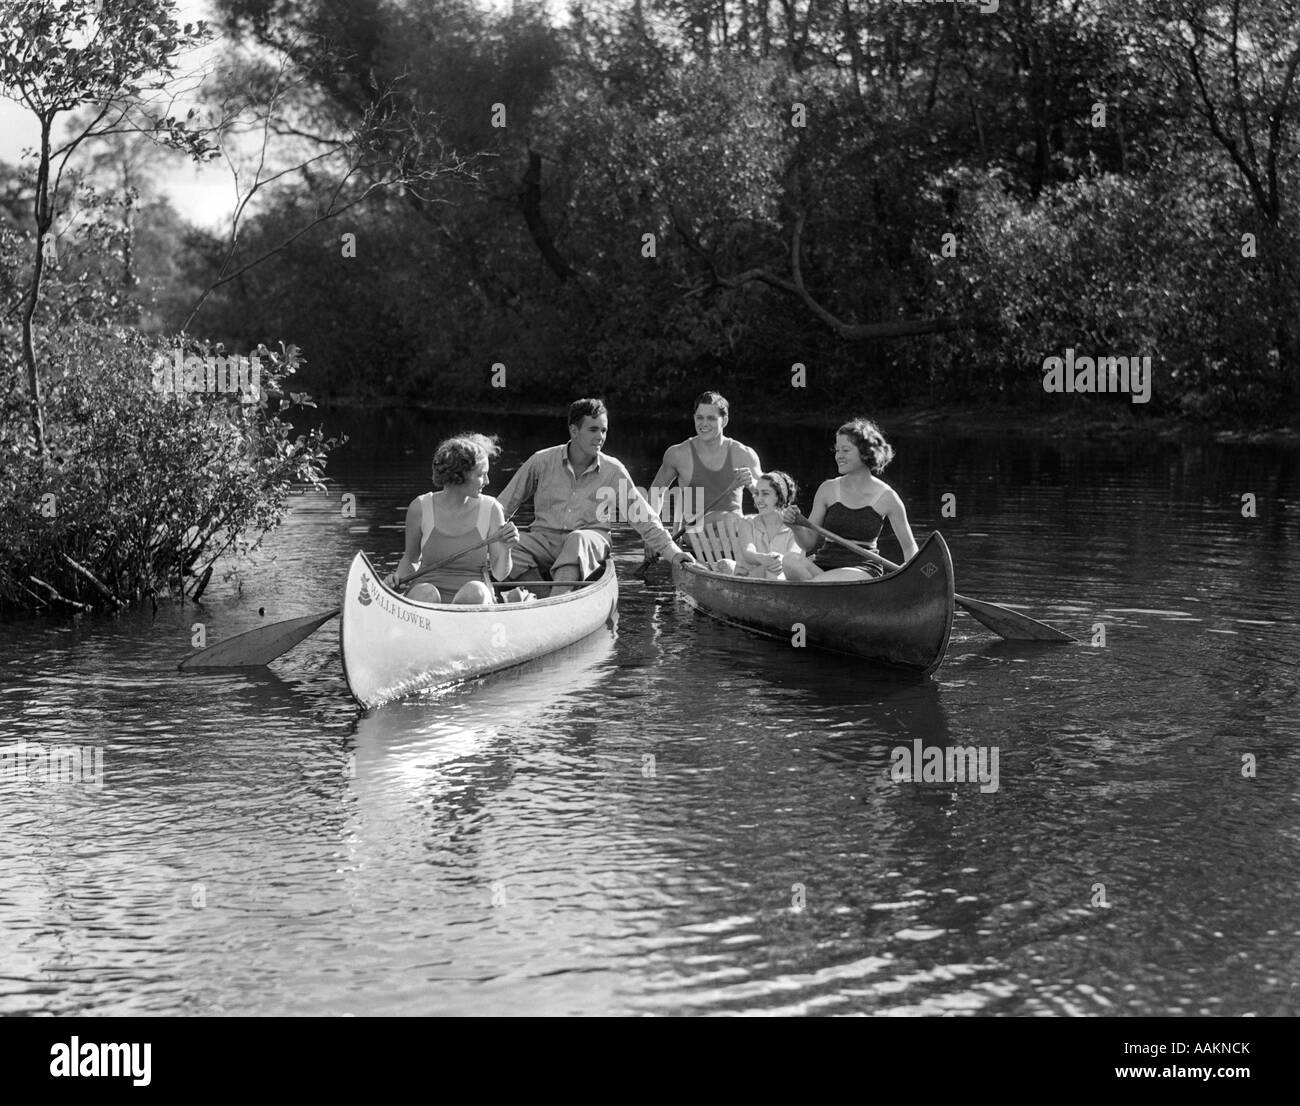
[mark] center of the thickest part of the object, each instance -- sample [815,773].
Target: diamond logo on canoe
[928,569]
[364,597]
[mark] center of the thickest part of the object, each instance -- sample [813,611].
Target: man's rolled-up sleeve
[521,487]
[648,524]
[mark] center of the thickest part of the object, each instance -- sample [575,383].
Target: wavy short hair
[875,452]
[783,484]
[455,458]
[715,399]
[581,409]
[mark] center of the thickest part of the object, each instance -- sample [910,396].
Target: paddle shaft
[447,560]
[1001,620]
[862,550]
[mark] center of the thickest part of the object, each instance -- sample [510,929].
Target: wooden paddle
[263,644]
[1003,621]
[650,558]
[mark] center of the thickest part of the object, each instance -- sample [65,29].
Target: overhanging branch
[530,204]
[849,332]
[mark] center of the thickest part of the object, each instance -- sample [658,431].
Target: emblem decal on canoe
[364,597]
[928,569]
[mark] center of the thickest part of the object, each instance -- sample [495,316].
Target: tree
[58,56]
[1238,64]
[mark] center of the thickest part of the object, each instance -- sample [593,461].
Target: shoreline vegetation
[972,420]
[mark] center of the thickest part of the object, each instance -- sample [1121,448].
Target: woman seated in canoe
[769,550]
[457,520]
[854,505]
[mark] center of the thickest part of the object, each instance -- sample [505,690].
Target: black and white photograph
[671,508]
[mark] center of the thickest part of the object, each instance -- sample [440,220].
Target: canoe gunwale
[598,583]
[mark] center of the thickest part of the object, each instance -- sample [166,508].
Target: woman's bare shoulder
[887,498]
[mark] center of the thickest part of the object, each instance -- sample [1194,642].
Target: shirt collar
[564,460]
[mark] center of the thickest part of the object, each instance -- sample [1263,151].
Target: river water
[683,818]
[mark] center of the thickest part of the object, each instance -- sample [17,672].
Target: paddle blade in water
[1009,624]
[1012,625]
[258,646]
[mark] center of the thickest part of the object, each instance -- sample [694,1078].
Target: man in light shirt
[572,487]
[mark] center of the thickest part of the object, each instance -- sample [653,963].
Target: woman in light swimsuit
[454,520]
[770,551]
[854,505]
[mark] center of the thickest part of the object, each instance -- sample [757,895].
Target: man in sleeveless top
[572,486]
[705,465]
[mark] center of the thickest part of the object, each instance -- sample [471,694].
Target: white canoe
[393,646]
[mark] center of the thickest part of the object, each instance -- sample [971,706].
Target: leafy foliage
[926,125]
[141,484]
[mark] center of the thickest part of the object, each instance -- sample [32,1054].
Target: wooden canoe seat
[714,541]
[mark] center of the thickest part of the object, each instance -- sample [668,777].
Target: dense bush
[1120,266]
[140,487]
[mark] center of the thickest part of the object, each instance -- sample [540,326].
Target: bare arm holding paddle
[669,471]
[800,526]
[752,469]
[507,535]
[806,532]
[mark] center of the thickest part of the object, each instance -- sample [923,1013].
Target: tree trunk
[855,51]
[44,218]
[128,225]
[530,203]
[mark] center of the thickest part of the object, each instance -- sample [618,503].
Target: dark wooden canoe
[902,619]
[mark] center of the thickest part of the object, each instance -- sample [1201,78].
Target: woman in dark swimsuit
[854,505]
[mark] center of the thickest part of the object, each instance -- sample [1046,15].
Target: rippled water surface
[684,818]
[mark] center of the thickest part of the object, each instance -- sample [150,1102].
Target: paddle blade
[258,646]
[1010,624]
